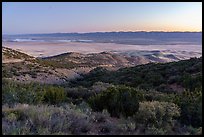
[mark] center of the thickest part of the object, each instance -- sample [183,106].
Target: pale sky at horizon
[55,17]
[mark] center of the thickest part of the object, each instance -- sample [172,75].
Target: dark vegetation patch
[186,73]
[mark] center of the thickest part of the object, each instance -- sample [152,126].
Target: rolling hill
[165,77]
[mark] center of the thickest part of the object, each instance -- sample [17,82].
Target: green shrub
[191,107]
[54,95]
[120,100]
[157,114]
[32,93]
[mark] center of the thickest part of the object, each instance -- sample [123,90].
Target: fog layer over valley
[153,46]
[45,49]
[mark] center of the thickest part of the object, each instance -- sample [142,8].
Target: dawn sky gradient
[53,17]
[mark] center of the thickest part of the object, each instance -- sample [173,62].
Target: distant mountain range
[133,38]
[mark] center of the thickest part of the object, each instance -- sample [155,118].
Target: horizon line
[101,32]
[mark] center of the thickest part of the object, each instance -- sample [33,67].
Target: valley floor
[44,49]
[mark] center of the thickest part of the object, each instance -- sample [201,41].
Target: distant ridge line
[79,33]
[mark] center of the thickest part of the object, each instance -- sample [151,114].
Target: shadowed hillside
[164,77]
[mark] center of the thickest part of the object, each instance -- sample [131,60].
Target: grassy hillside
[8,53]
[103,59]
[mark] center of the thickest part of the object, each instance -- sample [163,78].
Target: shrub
[32,93]
[54,95]
[157,114]
[6,73]
[80,126]
[78,92]
[191,107]
[120,100]
[42,119]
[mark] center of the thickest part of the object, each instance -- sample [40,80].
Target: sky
[82,17]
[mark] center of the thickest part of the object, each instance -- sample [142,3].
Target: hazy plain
[44,49]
